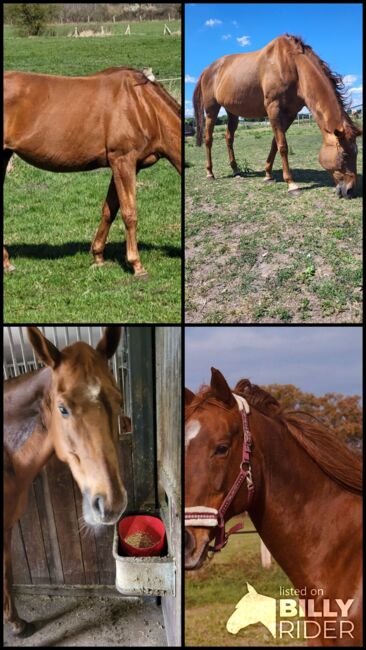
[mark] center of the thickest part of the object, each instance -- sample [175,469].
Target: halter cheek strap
[210,517]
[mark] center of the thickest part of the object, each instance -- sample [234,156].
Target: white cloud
[235,23]
[212,22]
[226,37]
[243,40]
[189,79]
[356,90]
[349,79]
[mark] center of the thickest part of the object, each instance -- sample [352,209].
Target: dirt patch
[92,621]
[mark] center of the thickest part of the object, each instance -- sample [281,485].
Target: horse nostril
[98,505]
[189,542]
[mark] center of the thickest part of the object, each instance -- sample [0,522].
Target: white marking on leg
[292,186]
[192,430]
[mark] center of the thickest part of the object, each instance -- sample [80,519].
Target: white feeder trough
[143,576]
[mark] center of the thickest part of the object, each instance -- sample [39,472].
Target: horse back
[70,123]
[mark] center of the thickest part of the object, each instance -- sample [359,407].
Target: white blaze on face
[192,430]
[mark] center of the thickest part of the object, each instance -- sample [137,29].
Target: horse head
[213,452]
[338,155]
[81,414]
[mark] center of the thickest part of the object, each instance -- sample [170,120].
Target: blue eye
[63,410]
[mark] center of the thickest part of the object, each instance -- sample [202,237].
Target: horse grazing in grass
[301,487]
[70,407]
[278,81]
[118,118]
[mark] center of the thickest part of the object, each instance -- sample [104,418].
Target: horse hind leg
[18,626]
[232,125]
[211,116]
[109,211]
[6,262]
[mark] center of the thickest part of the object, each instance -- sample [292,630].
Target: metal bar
[22,349]
[15,365]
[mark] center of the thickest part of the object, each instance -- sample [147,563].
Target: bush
[31,18]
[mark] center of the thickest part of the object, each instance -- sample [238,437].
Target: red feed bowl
[152,526]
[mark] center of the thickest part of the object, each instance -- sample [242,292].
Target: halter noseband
[210,517]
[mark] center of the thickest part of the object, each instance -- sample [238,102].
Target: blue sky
[315,359]
[334,31]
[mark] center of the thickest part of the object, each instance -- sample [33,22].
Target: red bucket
[142,535]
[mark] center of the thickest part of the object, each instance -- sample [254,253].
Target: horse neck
[294,506]
[26,436]
[319,96]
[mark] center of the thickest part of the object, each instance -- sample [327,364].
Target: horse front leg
[18,626]
[109,211]
[280,124]
[232,125]
[124,174]
[6,262]
[269,162]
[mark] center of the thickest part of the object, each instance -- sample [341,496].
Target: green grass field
[254,254]
[212,592]
[50,219]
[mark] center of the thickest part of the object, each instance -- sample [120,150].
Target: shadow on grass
[113,252]
[317,178]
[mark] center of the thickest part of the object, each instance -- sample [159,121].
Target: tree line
[32,18]
[340,413]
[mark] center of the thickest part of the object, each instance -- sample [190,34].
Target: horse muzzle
[345,191]
[97,512]
[194,554]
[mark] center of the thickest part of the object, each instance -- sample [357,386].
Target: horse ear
[220,387]
[188,396]
[44,349]
[108,344]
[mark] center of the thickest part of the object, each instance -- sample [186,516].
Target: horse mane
[340,91]
[335,459]
[162,91]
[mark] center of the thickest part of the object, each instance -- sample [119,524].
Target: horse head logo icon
[253,608]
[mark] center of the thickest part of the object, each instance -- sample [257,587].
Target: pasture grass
[212,592]
[255,254]
[51,218]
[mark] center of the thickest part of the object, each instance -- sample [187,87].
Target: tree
[31,18]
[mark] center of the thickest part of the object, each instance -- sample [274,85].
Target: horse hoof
[24,630]
[97,265]
[9,268]
[210,177]
[269,180]
[141,275]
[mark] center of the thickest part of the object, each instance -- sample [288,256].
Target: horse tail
[198,112]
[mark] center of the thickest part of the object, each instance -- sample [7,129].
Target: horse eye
[221,450]
[63,410]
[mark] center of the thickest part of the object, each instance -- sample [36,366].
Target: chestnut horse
[303,496]
[70,407]
[278,81]
[117,118]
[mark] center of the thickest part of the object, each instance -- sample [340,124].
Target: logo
[257,608]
